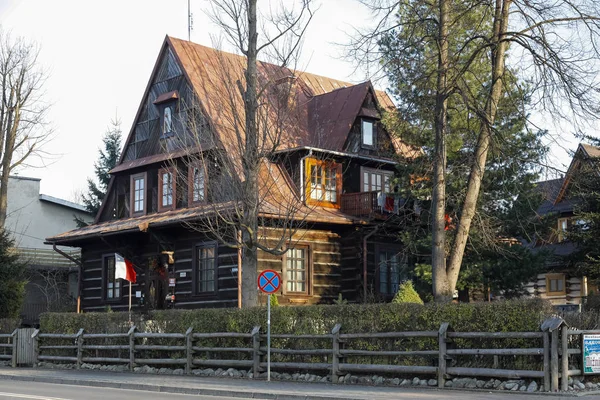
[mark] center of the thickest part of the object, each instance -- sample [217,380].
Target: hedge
[500,316]
[8,325]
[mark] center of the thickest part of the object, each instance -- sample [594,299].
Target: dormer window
[324,182]
[166,189]
[138,194]
[368,133]
[167,120]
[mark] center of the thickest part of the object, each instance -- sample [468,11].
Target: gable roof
[584,151]
[323,108]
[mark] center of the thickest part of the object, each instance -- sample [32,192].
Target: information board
[591,354]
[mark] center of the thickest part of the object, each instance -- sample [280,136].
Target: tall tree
[254,125]
[107,160]
[12,278]
[23,128]
[562,70]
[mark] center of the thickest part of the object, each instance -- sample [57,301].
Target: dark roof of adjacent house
[64,203]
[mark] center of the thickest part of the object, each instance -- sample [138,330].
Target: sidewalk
[245,388]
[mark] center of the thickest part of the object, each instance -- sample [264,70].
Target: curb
[172,389]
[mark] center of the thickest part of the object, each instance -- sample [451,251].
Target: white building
[32,217]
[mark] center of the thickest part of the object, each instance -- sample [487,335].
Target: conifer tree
[12,278]
[107,160]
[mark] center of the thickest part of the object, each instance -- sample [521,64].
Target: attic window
[138,194]
[368,137]
[167,120]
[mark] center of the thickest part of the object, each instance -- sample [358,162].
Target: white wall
[31,220]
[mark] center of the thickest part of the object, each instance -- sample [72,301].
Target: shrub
[8,325]
[407,294]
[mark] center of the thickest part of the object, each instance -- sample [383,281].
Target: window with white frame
[368,133]
[297,270]
[138,194]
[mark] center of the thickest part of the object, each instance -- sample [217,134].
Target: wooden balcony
[359,204]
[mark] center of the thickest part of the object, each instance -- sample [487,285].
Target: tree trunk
[441,287]
[483,142]
[249,277]
[9,144]
[251,161]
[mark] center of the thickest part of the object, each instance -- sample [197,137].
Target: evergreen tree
[12,278]
[107,160]
[506,206]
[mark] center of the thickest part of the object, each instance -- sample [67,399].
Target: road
[50,391]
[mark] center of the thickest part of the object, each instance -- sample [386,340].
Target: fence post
[36,347]
[79,339]
[189,341]
[256,352]
[335,357]
[442,336]
[14,339]
[547,361]
[131,334]
[564,336]
[554,360]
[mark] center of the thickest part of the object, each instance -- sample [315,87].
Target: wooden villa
[336,160]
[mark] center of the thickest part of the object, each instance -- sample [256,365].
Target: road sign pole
[269,339]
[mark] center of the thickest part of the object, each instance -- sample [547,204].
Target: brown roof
[322,109]
[276,192]
[591,151]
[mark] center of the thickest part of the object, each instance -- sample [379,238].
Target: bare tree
[23,129]
[52,284]
[554,47]
[252,205]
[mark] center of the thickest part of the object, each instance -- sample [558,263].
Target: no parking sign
[269,282]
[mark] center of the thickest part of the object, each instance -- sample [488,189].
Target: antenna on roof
[190,22]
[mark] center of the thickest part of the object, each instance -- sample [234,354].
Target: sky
[99,56]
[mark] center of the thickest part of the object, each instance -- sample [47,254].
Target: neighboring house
[31,217]
[561,286]
[336,159]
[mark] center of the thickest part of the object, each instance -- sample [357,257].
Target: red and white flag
[124,269]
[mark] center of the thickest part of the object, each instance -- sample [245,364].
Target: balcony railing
[46,257]
[370,204]
[359,204]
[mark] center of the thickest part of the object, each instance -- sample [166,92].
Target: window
[138,194]
[368,137]
[166,189]
[112,286]
[197,184]
[324,182]
[206,268]
[375,180]
[296,273]
[389,272]
[167,120]
[562,228]
[555,284]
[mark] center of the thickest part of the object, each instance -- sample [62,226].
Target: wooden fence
[8,347]
[437,355]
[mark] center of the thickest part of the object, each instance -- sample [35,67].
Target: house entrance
[157,286]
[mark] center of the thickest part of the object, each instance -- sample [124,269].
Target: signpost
[269,282]
[591,354]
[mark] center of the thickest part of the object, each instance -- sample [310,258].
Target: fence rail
[336,353]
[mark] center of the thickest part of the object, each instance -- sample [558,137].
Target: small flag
[124,269]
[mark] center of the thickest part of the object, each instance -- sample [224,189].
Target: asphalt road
[49,391]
